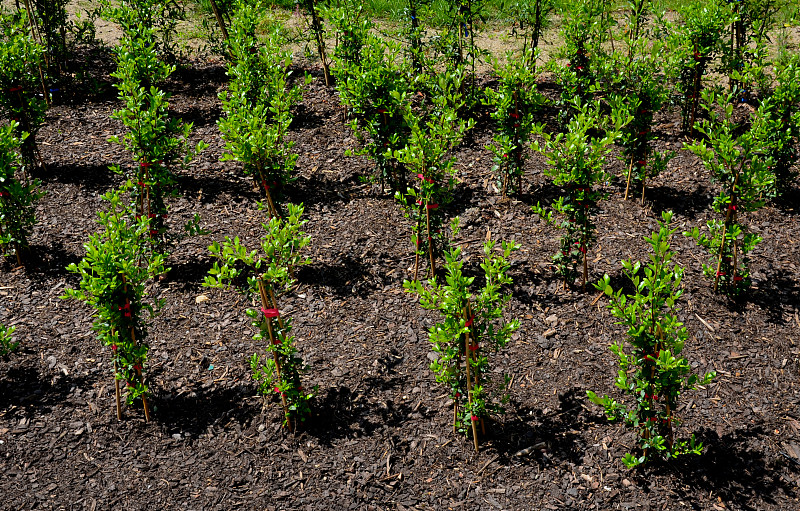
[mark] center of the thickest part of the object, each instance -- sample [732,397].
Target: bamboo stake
[468,346]
[316,27]
[38,38]
[430,239]
[265,303]
[725,230]
[628,186]
[133,338]
[643,185]
[117,393]
[416,249]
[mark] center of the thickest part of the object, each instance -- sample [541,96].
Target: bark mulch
[380,436]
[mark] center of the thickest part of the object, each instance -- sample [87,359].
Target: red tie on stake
[270,313]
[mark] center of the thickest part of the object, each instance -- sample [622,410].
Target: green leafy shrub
[576,164]
[691,48]
[21,58]
[257,105]
[317,30]
[265,275]
[114,272]
[435,131]
[776,124]
[17,198]
[157,141]
[372,90]
[352,28]
[515,102]
[474,328]
[53,25]
[585,26]
[652,371]
[533,17]
[159,17]
[744,177]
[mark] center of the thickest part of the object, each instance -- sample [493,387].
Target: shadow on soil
[25,388]
[212,187]
[189,274]
[339,412]
[44,262]
[665,198]
[738,475]
[95,178]
[195,411]
[344,278]
[546,438]
[774,295]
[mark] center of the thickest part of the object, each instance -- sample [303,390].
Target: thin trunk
[220,21]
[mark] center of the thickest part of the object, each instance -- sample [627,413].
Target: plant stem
[220,21]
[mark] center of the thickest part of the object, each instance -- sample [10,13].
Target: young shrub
[257,105]
[21,82]
[455,49]
[635,79]
[156,141]
[691,47]
[576,164]
[652,371]
[413,31]
[7,343]
[17,198]
[159,17]
[312,9]
[434,133]
[776,124]
[371,89]
[533,17]
[114,272]
[586,25]
[265,275]
[744,177]
[474,328]
[751,21]
[51,25]
[352,28]
[515,102]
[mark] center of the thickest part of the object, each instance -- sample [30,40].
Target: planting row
[410,106]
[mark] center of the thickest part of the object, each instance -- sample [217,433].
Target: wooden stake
[468,345]
[430,239]
[117,393]
[628,186]
[266,303]
[133,338]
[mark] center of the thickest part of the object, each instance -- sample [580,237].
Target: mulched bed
[380,436]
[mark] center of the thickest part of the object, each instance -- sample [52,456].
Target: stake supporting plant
[738,163]
[260,274]
[117,265]
[17,199]
[652,371]
[257,104]
[576,161]
[473,327]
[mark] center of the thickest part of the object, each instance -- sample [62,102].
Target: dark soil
[380,436]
